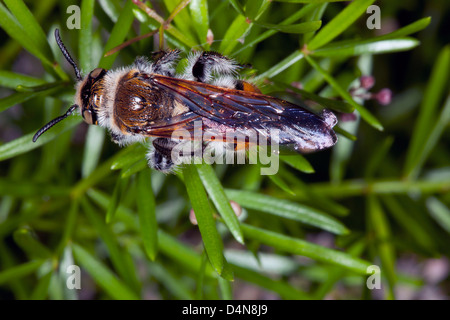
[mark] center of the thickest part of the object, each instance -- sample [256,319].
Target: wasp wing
[238,111]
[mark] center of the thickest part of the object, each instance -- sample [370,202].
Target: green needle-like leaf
[40,291]
[365,114]
[293,28]
[118,34]
[181,17]
[301,247]
[85,39]
[121,259]
[298,162]
[102,275]
[92,149]
[20,97]
[281,183]
[385,250]
[115,199]
[24,144]
[171,34]
[219,198]
[296,16]
[407,30]
[129,156]
[203,213]
[237,32]
[200,18]
[11,80]
[439,212]
[34,249]
[442,122]
[147,213]
[281,66]
[339,23]
[237,6]
[332,104]
[19,271]
[24,28]
[366,47]
[182,254]
[286,209]
[436,88]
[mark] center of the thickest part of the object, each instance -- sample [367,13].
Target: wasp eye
[87,116]
[96,72]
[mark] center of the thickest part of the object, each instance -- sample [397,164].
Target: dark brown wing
[226,106]
[243,111]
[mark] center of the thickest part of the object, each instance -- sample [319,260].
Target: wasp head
[90,94]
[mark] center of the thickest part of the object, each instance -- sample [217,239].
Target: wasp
[150,100]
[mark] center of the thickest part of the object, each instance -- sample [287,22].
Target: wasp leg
[119,139]
[163,63]
[208,66]
[160,155]
[166,154]
[209,62]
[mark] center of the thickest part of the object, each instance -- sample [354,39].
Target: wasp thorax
[91,93]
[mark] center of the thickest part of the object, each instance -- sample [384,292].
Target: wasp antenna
[53,122]
[67,55]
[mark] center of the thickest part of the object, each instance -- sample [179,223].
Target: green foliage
[73,197]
